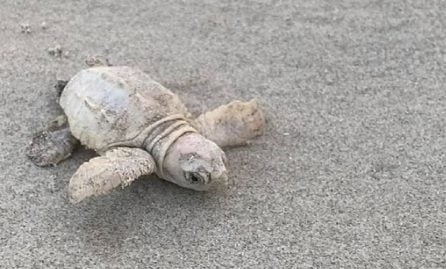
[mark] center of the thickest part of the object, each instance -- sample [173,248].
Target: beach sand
[349,174]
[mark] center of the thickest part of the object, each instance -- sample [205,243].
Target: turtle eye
[195,178]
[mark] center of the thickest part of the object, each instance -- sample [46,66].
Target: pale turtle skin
[139,127]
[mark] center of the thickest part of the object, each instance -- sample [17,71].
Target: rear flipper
[60,85]
[52,145]
[233,124]
[118,167]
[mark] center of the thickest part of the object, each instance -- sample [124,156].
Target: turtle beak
[220,177]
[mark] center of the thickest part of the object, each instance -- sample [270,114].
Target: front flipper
[52,145]
[118,167]
[233,124]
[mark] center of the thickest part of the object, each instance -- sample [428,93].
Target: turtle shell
[115,106]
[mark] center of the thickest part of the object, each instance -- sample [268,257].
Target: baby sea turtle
[138,127]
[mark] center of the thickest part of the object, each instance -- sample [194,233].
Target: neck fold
[161,137]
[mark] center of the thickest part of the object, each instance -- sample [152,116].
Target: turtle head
[195,162]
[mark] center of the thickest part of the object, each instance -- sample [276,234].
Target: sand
[349,174]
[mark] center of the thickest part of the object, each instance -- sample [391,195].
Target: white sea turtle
[138,127]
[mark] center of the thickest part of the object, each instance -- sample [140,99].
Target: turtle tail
[60,86]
